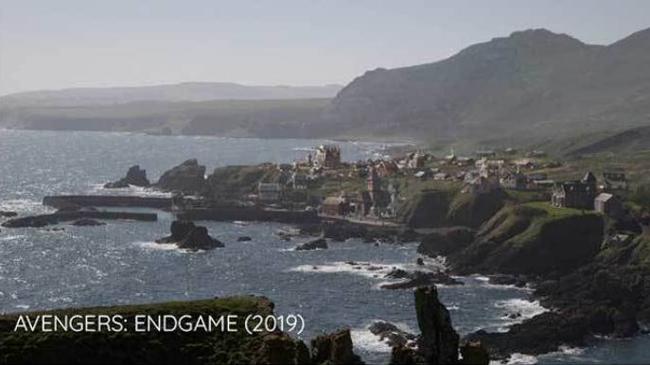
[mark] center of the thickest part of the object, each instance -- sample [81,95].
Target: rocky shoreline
[591,288]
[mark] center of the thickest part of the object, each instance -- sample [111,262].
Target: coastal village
[374,191]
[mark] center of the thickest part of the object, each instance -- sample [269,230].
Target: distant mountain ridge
[531,83]
[188,91]
[533,87]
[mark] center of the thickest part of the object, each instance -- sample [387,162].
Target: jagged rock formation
[7,214]
[438,342]
[189,236]
[134,176]
[188,177]
[391,334]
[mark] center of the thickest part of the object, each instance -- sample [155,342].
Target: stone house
[269,192]
[614,180]
[335,206]
[575,194]
[514,181]
[609,205]
[328,156]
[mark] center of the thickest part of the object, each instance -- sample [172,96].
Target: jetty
[76,201]
[63,216]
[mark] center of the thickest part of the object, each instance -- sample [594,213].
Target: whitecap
[12,237]
[366,340]
[362,268]
[156,246]
[25,205]
[525,308]
[521,359]
[22,306]
[132,190]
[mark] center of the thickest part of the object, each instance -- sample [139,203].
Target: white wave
[22,306]
[481,278]
[521,359]
[366,340]
[132,190]
[362,268]
[157,246]
[24,205]
[363,338]
[12,237]
[305,149]
[524,308]
[60,300]
[568,350]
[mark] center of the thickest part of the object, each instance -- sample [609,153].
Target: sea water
[119,263]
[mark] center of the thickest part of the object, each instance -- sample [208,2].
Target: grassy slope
[532,238]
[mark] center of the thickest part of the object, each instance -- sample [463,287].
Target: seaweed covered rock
[134,176]
[188,177]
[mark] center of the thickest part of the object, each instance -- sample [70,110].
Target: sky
[48,44]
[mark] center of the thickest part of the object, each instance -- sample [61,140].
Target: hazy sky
[71,43]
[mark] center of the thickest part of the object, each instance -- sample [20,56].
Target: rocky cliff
[533,239]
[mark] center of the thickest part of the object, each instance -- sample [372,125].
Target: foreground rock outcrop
[188,177]
[134,176]
[189,236]
[124,345]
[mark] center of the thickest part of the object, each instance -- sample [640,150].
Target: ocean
[119,263]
